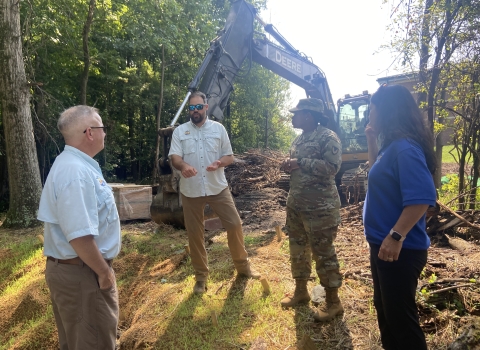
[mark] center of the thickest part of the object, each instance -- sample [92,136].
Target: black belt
[73,261]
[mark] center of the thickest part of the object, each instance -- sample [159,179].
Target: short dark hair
[198,93]
[399,117]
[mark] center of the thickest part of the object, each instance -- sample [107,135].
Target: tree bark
[24,176]
[159,114]
[86,52]
[424,53]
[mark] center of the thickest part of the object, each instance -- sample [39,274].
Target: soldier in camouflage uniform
[313,206]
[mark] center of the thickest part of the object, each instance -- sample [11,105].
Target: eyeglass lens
[193,107]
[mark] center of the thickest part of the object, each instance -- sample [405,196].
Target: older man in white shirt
[200,149]
[82,236]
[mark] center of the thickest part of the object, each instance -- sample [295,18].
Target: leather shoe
[200,287]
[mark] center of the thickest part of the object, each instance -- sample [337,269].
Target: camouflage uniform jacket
[312,186]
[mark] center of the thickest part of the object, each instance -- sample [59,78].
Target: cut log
[470,338]
[266,287]
[460,244]
[214,318]
[279,233]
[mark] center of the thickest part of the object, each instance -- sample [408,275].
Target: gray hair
[73,116]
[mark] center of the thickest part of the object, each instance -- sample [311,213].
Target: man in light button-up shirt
[200,149]
[82,236]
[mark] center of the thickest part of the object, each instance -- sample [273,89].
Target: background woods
[132,61]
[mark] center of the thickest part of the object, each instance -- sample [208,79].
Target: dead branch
[263,156]
[458,216]
[452,287]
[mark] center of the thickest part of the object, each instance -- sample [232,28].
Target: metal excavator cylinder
[215,77]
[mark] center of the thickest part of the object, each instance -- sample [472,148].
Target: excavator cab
[352,119]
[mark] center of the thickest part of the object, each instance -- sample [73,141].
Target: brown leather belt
[73,261]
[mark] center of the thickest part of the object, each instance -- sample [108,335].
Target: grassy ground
[449,155]
[159,311]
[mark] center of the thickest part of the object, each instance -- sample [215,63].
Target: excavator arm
[236,43]
[222,64]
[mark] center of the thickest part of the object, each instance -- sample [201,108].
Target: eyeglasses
[193,107]
[97,127]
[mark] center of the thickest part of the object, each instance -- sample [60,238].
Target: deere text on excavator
[236,42]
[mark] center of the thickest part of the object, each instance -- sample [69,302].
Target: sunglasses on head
[193,107]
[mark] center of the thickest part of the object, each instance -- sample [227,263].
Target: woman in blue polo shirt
[400,189]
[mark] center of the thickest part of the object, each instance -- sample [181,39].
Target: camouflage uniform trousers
[308,236]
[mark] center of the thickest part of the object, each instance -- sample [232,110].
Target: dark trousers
[395,285]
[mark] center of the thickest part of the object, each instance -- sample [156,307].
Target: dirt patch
[262,209]
[453,168]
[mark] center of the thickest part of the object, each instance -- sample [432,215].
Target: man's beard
[197,118]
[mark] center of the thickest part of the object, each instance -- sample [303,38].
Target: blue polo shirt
[398,178]
[76,201]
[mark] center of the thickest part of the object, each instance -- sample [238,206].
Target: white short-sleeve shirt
[200,147]
[76,201]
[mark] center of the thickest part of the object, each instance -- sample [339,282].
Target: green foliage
[449,191]
[126,45]
[438,127]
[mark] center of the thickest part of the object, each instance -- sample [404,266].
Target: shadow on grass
[321,335]
[182,322]
[192,327]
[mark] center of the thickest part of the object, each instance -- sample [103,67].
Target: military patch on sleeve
[335,149]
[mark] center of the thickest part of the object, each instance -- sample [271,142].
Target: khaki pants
[223,205]
[86,316]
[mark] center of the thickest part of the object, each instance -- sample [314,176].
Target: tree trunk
[24,176]
[462,160]
[475,171]
[86,53]
[424,53]
[159,114]
[266,122]
[132,144]
[439,142]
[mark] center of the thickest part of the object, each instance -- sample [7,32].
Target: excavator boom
[222,63]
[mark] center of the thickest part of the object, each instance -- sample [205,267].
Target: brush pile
[259,188]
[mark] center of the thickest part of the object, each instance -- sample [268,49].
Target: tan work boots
[200,287]
[331,308]
[300,295]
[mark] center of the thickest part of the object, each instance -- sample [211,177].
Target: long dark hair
[399,117]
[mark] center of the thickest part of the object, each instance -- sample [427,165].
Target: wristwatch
[396,236]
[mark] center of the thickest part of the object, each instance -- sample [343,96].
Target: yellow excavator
[352,117]
[223,60]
